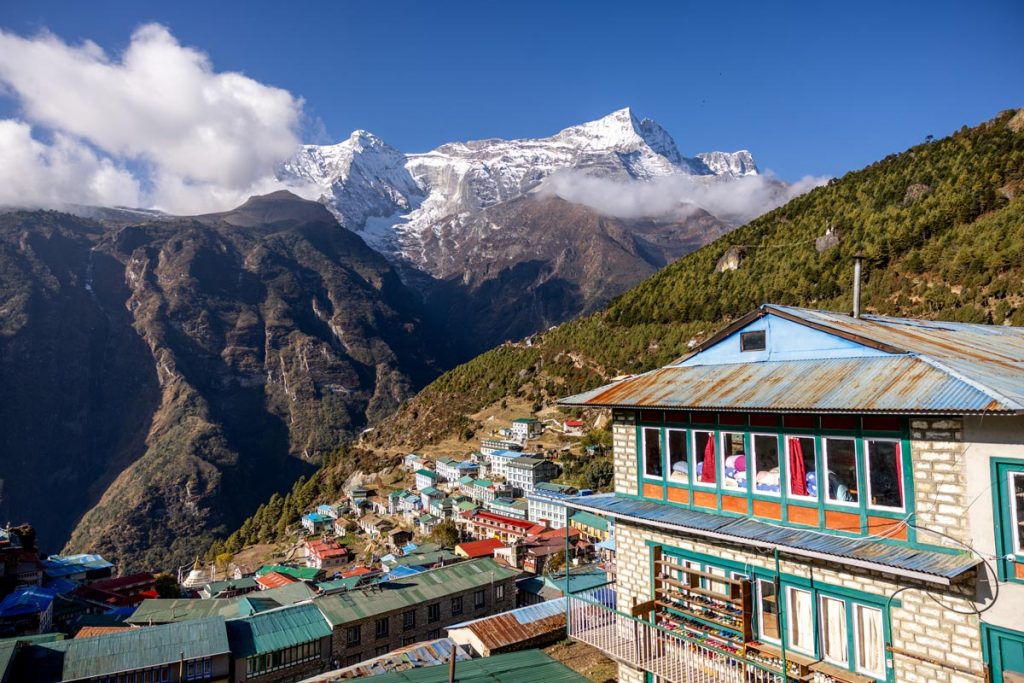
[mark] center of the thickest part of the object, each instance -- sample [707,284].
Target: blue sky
[809,87]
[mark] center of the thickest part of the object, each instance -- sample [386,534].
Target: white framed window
[704,458]
[885,474]
[768,610]
[800,620]
[733,450]
[869,640]
[765,470]
[834,643]
[1015,492]
[840,477]
[652,452]
[802,468]
[678,462]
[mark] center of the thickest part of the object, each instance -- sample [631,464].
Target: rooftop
[876,364]
[302,573]
[524,420]
[162,611]
[925,565]
[423,587]
[527,666]
[516,626]
[429,653]
[56,566]
[585,518]
[276,629]
[430,474]
[527,462]
[484,548]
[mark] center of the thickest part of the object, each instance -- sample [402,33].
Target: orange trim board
[1018,570]
[766,508]
[678,495]
[888,527]
[734,504]
[705,499]
[653,491]
[842,521]
[802,515]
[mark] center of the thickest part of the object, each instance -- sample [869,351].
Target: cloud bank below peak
[736,200]
[156,126]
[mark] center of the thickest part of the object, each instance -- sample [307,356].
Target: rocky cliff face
[167,375]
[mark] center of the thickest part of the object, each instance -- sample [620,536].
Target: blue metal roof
[914,367]
[28,600]
[932,566]
[56,566]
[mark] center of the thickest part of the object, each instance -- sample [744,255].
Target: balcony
[594,619]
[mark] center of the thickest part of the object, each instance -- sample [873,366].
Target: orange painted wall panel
[704,499]
[734,504]
[766,508]
[678,495]
[842,521]
[802,515]
[887,527]
[653,491]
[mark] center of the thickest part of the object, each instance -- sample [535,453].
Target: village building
[430,494]
[489,446]
[28,610]
[519,629]
[471,550]
[525,428]
[78,568]
[282,644]
[839,495]
[332,511]
[442,507]
[426,479]
[524,473]
[451,470]
[304,573]
[398,538]
[497,463]
[536,549]
[229,588]
[372,621]
[484,491]
[315,523]
[573,427]
[546,503]
[592,527]
[479,525]
[509,507]
[374,526]
[413,462]
[326,555]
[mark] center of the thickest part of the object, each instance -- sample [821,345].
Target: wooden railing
[594,619]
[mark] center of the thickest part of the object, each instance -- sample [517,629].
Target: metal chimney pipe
[451,668]
[856,284]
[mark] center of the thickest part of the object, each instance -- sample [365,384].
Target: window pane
[833,631]
[841,466]
[800,620]
[733,457]
[704,457]
[652,452]
[884,474]
[769,609]
[766,464]
[803,477]
[1017,510]
[678,466]
[870,640]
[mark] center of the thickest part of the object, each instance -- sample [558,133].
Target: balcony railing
[594,619]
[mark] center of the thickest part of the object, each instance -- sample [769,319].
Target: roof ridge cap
[983,388]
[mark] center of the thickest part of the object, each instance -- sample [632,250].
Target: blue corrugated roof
[27,600]
[934,566]
[56,566]
[926,367]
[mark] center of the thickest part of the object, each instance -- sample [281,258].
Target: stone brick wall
[624,445]
[920,625]
[940,479]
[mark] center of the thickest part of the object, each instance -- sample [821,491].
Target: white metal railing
[594,619]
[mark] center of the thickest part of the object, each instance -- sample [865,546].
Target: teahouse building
[840,497]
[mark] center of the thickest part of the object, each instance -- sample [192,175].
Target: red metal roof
[501,519]
[275,580]
[484,548]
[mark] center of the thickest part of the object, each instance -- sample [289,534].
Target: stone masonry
[624,445]
[940,480]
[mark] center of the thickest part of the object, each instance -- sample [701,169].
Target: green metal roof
[162,611]
[215,587]
[301,573]
[427,473]
[527,666]
[276,630]
[525,420]
[140,648]
[589,519]
[431,491]
[432,584]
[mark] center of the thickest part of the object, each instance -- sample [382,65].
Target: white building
[525,473]
[524,428]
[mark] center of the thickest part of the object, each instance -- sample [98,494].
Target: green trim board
[783,498]
[1002,516]
[783,582]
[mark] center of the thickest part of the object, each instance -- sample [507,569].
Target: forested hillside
[941,226]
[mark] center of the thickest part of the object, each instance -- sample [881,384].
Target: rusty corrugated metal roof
[517,626]
[932,368]
[926,565]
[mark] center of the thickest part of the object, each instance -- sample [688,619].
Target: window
[434,634]
[803,475]
[381,650]
[409,620]
[353,635]
[353,659]
[704,458]
[1015,488]
[408,640]
[753,341]
[800,620]
[733,454]
[678,466]
[885,474]
[832,616]
[479,598]
[499,592]
[652,452]
[768,609]
[841,470]
[433,612]
[869,641]
[766,472]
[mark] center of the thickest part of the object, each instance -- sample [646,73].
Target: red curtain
[797,473]
[707,475]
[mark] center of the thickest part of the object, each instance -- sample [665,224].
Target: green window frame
[1008,516]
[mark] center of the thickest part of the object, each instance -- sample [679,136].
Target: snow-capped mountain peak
[739,163]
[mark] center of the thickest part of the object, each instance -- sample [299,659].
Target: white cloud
[737,200]
[195,139]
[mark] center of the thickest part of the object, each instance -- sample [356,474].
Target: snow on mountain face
[396,201]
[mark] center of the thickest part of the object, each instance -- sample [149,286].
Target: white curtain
[870,640]
[833,630]
[801,620]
